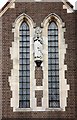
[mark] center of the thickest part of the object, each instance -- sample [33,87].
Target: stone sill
[30,109]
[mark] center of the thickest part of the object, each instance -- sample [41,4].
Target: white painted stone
[12,6]
[69,9]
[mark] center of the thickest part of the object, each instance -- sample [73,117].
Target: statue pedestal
[39,82]
[39,76]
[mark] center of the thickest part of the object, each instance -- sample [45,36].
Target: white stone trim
[14,51]
[12,6]
[37,0]
[64,87]
[7,7]
[69,10]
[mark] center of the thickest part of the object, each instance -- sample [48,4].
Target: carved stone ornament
[38,45]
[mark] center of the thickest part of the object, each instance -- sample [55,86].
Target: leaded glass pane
[24,66]
[53,66]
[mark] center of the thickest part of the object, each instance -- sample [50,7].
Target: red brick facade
[38,11]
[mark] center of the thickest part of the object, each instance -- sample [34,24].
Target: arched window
[22,73]
[53,66]
[22,79]
[24,66]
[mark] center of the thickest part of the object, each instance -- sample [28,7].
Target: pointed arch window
[22,79]
[24,66]
[53,66]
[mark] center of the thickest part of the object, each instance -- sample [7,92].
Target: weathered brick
[38,12]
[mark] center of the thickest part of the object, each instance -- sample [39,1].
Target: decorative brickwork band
[38,75]
[39,95]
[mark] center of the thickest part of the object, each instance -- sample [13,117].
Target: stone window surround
[64,87]
[14,51]
[14,79]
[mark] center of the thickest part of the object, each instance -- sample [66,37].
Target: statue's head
[38,32]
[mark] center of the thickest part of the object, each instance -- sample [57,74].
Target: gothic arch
[64,87]
[14,51]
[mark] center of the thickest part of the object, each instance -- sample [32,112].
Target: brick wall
[0,68]
[38,11]
[76,63]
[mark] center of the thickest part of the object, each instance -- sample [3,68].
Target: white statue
[38,45]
